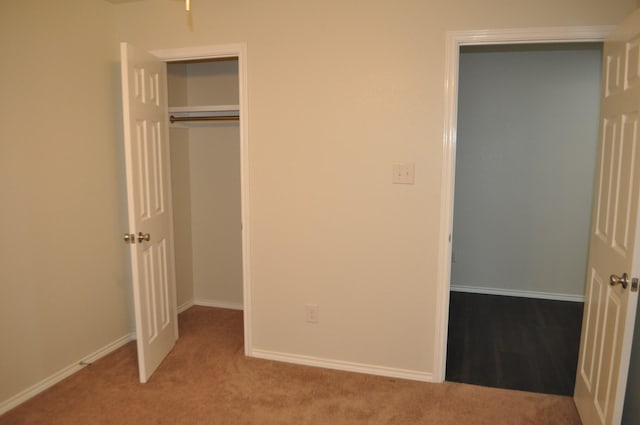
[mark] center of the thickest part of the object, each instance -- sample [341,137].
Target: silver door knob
[619,280]
[129,238]
[143,237]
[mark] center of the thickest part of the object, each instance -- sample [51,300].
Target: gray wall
[527,135]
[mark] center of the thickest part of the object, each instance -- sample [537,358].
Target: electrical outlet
[312,313]
[403,172]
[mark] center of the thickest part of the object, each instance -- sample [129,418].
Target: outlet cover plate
[312,313]
[403,173]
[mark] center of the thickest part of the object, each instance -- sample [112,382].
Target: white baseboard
[46,383]
[185,306]
[342,365]
[517,293]
[218,304]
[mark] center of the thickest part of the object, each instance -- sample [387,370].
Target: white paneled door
[144,91]
[614,253]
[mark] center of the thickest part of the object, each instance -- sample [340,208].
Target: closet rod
[173,119]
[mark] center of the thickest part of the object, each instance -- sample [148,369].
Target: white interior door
[609,312]
[144,88]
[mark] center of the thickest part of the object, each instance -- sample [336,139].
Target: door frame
[455,40]
[238,50]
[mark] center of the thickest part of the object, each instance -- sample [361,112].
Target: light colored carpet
[207,380]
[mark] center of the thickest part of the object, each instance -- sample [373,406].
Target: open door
[146,140]
[614,252]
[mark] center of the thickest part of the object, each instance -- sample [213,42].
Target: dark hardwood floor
[516,343]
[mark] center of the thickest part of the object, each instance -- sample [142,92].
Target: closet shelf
[203,109]
[186,114]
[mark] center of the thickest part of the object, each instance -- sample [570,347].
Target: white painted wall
[525,164]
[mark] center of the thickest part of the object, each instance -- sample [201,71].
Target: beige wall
[177,84]
[213,82]
[215,214]
[181,197]
[64,284]
[181,187]
[337,92]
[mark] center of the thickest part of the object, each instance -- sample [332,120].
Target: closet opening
[206,176]
[526,147]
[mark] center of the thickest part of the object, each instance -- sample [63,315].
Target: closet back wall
[525,163]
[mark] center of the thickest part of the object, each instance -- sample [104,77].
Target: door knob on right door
[624,281]
[617,280]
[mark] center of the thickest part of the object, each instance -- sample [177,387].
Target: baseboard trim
[218,304]
[185,306]
[517,293]
[47,383]
[342,365]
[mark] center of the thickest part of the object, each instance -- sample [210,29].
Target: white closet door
[146,140]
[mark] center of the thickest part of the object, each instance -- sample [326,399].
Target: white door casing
[456,39]
[239,51]
[609,311]
[144,90]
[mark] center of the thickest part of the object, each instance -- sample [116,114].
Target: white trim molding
[218,304]
[63,373]
[238,50]
[185,306]
[454,40]
[344,366]
[210,303]
[530,35]
[518,293]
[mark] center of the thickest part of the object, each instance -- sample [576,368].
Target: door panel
[609,313]
[148,174]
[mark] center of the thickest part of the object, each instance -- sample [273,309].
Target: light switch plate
[403,173]
[312,312]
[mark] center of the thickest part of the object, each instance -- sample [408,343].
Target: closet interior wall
[205,167]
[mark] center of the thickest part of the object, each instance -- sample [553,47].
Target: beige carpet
[207,380]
